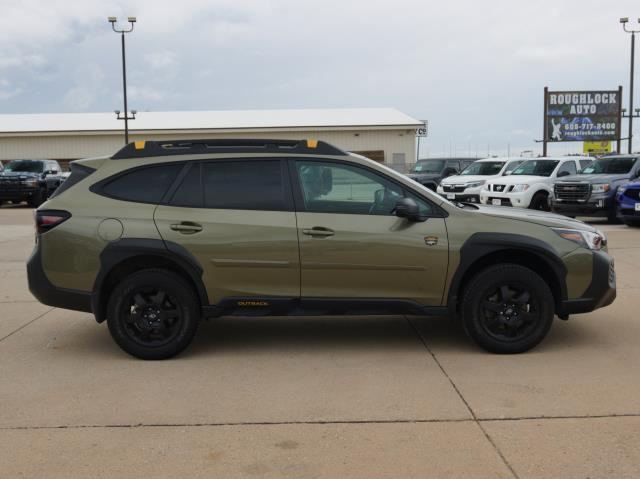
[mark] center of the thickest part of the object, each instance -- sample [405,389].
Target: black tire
[539,202]
[613,218]
[507,309]
[37,199]
[153,314]
[632,223]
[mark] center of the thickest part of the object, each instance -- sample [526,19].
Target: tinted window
[569,167]
[189,193]
[245,185]
[610,166]
[512,166]
[339,188]
[146,185]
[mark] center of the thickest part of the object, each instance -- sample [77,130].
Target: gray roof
[209,120]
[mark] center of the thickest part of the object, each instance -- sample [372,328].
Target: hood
[518,179]
[594,179]
[462,180]
[533,216]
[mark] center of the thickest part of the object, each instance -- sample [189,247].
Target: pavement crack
[26,324]
[462,398]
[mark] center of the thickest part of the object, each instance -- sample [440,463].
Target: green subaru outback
[162,234]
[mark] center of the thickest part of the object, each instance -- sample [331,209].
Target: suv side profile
[162,234]
[530,185]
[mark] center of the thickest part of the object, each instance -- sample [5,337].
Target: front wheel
[153,314]
[507,309]
[540,202]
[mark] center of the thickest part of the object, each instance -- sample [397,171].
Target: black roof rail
[144,149]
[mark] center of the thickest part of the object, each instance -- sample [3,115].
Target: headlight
[486,186]
[30,182]
[587,239]
[622,189]
[601,188]
[520,188]
[475,184]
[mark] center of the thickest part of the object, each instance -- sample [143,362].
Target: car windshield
[428,166]
[536,168]
[610,166]
[24,166]
[484,168]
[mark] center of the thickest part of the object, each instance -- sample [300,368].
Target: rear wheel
[539,202]
[153,314]
[507,309]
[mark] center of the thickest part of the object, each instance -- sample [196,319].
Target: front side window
[144,185]
[245,185]
[338,188]
[484,168]
[536,168]
[568,167]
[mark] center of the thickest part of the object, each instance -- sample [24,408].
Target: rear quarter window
[141,185]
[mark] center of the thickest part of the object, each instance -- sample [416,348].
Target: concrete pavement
[316,397]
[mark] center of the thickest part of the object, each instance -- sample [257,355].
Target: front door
[353,246]
[236,218]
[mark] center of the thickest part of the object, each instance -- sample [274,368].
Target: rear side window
[245,185]
[143,185]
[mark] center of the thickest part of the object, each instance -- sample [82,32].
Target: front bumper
[598,207]
[601,292]
[519,200]
[17,193]
[49,294]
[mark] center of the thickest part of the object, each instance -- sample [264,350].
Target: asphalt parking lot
[316,397]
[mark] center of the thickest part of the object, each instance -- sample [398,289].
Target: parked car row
[32,181]
[573,186]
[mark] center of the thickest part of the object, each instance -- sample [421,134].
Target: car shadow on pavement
[320,334]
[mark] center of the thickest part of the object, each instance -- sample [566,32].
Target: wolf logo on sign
[556,135]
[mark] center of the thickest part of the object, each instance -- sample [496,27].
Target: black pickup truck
[32,181]
[593,191]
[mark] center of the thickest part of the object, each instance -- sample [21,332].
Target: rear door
[353,246]
[236,218]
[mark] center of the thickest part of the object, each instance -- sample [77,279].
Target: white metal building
[383,134]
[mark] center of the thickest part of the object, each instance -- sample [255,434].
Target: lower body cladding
[597,208]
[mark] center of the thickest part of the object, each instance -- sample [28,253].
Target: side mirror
[49,172]
[507,173]
[409,209]
[563,173]
[449,172]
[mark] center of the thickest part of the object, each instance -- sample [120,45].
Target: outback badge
[431,240]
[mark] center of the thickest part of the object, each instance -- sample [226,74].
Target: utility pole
[126,117]
[624,21]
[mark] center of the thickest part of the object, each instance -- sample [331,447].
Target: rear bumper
[601,292]
[49,294]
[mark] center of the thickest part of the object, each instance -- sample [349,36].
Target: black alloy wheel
[153,314]
[507,308]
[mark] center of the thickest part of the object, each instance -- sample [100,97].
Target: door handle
[318,231]
[186,228]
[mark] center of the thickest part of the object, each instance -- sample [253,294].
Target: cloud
[7,90]
[88,87]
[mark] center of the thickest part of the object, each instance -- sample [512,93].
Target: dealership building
[383,134]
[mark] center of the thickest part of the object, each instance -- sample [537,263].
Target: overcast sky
[475,69]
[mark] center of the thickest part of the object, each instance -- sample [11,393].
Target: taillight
[49,219]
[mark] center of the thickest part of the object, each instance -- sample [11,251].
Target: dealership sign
[582,115]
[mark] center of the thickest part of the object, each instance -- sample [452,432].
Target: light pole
[624,21]
[126,117]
